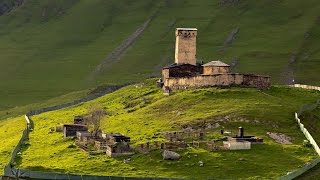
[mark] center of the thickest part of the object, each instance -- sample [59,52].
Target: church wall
[218,80]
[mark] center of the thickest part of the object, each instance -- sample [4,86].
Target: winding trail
[288,72]
[122,49]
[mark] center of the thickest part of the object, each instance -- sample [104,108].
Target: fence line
[310,165]
[308,107]
[25,135]
[306,86]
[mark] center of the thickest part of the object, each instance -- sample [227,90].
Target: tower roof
[216,63]
[186,29]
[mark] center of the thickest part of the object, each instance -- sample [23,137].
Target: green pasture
[142,112]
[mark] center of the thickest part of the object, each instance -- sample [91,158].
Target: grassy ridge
[143,113]
[50,47]
[12,128]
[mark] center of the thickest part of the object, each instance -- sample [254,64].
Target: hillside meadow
[311,121]
[142,112]
[11,132]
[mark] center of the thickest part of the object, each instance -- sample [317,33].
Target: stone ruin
[114,144]
[118,145]
[72,129]
[187,73]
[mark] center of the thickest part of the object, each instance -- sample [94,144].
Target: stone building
[187,73]
[215,67]
[118,145]
[185,52]
[181,70]
[72,129]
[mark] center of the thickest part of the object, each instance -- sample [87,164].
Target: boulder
[170,155]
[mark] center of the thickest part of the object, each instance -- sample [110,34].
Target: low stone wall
[229,79]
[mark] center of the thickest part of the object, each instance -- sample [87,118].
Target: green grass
[12,123]
[20,110]
[11,132]
[49,47]
[311,121]
[142,112]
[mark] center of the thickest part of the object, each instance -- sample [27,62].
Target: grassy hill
[52,47]
[142,112]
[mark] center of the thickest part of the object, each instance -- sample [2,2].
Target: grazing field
[21,110]
[10,133]
[142,112]
[51,47]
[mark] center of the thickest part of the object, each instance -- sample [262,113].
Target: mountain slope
[48,48]
[51,47]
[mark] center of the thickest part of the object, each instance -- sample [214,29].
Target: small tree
[96,113]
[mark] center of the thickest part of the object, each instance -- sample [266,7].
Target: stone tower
[186,39]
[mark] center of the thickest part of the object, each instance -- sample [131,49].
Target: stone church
[187,73]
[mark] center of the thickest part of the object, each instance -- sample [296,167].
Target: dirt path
[231,37]
[121,50]
[234,63]
[299,55]
[280,138]
[288,72]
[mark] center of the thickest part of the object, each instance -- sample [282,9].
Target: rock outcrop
[170,155]
[7,5]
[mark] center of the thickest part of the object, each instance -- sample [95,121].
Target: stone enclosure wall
[247,80]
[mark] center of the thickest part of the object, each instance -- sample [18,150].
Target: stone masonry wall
[218,80]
